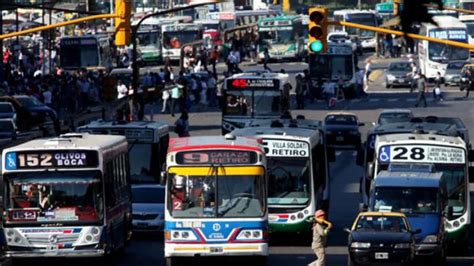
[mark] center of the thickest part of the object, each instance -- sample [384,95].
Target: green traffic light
[316,46]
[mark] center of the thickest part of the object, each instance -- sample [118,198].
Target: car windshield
[52,197]
[239,103]
[406,200]
[6,108]
[140,156]
[387,118]
[29,101]
[456,65]
[341,120]
[288,180]
[148,195]
[405,67]
[217,196]
[381,223]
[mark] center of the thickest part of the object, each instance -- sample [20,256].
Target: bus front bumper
[43,253]
[201,250]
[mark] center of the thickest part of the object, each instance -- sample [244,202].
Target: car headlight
[250,235]
[403,245]
[391,77]
[430,239]
[360,245]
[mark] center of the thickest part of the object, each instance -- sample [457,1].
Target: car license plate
[400,81]
[381,255]
[216,249]
[340,138]
[142,225]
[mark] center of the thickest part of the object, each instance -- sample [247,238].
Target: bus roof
[287,123]
[445,22]
[279,18]
[161,127]
[206,21]
[354,11]
[72,141]
[214,142]
[409,138]
[289,133]
[407,179]
[261,75]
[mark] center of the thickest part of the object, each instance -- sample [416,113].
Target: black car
[452,76]
[397,74]
[342,130]
[379,238]
[8,130]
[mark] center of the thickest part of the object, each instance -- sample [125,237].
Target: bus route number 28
[403,153]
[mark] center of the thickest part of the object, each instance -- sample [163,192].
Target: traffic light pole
[401,33]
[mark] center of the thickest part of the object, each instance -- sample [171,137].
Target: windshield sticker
[284,148]
[422,154]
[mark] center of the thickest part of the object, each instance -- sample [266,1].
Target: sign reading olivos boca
[285,148]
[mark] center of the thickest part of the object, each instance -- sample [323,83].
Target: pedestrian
[181,126]
[321,229]
[122,90]
[300,91]
[165,96]
[421,84]
[360,82]
[214,58]
[413,75]
[368,71]
[470,78]
[329,90]
[175,95]
[437,93]
[266,59]
[212,89]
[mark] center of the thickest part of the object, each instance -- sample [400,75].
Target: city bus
[215,199]
[448,155]
[467,19]
[434,57]
[148,144]
[91,52]
[248,96]
[231,19]
[364,17]
[149,37]
[298,175]
[338,61]
[282,36]
[176,35]
[444,126]
[67,196]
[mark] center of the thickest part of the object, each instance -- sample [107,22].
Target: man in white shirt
[122,90]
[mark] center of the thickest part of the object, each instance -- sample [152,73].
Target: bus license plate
[381,255]
[216,249]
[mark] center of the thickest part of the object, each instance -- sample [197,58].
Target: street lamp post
[135,67]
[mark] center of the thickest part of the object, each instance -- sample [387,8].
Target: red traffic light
[316,32]
[316,16]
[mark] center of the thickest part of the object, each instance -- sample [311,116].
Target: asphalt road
[148,249]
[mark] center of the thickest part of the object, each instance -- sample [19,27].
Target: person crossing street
[421,85]
[320,232]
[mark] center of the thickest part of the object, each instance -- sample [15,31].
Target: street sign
[386,7]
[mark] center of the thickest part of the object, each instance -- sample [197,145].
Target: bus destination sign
[285,148]
[242,83]
[51,159]
[216,157]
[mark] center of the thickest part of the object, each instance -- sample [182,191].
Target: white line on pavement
[393,100]
[374,100]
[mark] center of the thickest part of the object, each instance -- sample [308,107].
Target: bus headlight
[180,235]
[250,235]
[89,235]
[14,238]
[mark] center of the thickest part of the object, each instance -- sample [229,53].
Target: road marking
[374,100]
[393,100]
[411,100]
[356,100]
[338,153]
[374,75]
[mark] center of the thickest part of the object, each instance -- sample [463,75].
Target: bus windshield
[288,181]
[277,36]
[444,53]
[455,178]
[62,196]
[175,39]
[470,27]
[406,199]
[364,19]
[83,55]
[217,196]
[148,39]
[141,160]
[239,103]
[331,66]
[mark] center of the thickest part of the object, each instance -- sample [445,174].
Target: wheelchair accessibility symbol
[10,163]
[384,154]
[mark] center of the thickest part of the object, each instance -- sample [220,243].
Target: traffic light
[317,29]
[123,9]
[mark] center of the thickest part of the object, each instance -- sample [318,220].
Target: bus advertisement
[66,197]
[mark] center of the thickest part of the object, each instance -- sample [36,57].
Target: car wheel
[388,86]
[350,262]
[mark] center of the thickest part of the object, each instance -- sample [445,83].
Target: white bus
[467,19]
[91,52]
[231,19]
[66,197]
[174,36]
[434,57]
[364,17]
[149,37]
[298,175]
[215,202]
[448,155]
[148,144]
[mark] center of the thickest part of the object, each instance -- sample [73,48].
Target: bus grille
[51,239]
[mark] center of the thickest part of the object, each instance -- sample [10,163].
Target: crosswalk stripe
[374,100]
[393,100]
[356,100]
[338,153]
[411,100]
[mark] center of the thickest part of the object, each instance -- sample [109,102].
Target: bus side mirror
[448,213]
[370,171]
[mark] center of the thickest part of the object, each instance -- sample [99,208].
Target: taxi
[381,237]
